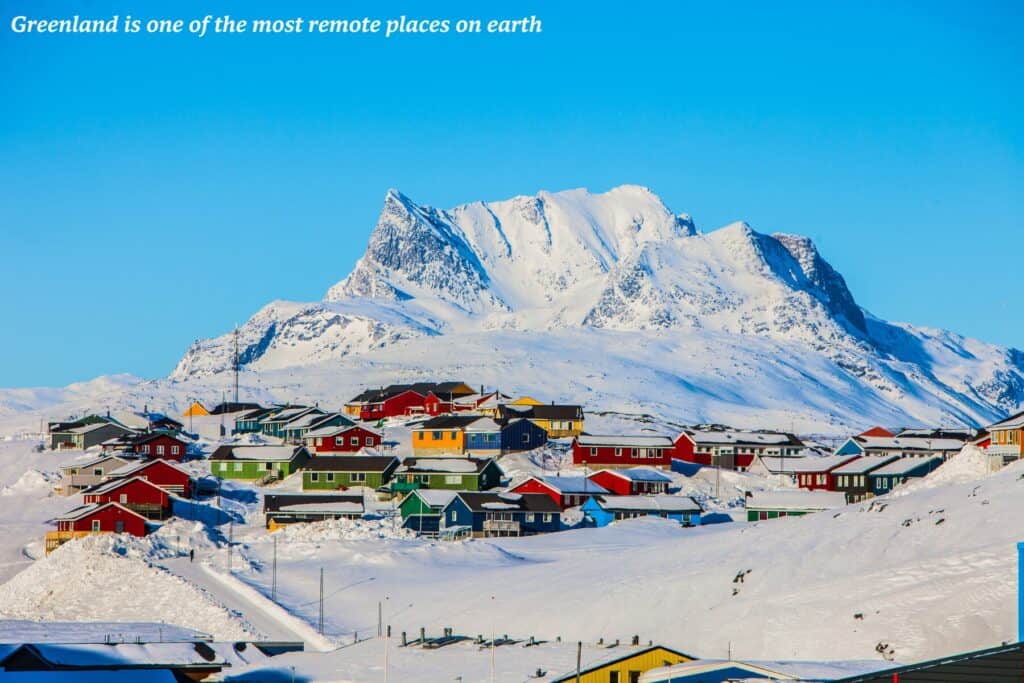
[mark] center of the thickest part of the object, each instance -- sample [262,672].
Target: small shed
[292,508]
[421,510]
[567,492]
[601,511]
[632,481]
[762,505]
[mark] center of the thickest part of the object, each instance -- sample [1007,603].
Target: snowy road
[265,616]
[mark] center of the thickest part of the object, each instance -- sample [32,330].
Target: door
[119,527]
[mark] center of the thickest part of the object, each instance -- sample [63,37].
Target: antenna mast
[236,364]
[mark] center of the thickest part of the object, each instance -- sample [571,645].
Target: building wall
[406,403]
[522,435]
[566,428]
[641,663]
[483,443]
[629,456]
[249,469]
[135,494]
[438,442]
[466,482]
[335,480]
[108,519]
[534,486]
[364,437]
[758,514]
[164,446]
[169,478]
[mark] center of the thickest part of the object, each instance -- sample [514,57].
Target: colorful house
[455,474]
[281,509]
[249,421]
[473,434]
[75,478]
[277,422]
[852,478]
[762,505]
[95,518]
[622,451]
[231,407]
[601,511]
[85,433]
[566,492]
[257,463]
[733,450]
[331,472]
[136,494]
[399,400]
[164,474]
[421,510]
[196,409]
[722,671]
[502,514]
[559,421]
[342,439]
[295,431]
[620,664]
[886,478]
[814,473]
[157,445]
[902,446]
[632,481]
[1007,440]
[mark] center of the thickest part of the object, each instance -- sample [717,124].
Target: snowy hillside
[734,309]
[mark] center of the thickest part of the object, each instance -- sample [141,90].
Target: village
[445,462]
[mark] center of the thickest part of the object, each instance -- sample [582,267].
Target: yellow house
[559,421]
[624,665]
[444,435]
[196,410]
[525,401]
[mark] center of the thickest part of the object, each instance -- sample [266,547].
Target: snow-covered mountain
[610,271]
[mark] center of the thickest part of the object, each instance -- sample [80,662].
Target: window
[635,454]
[238,467]
[95,525]
[319,441]
[119,526]
[98,472]
[357,476]
[160,449]
[145,449]
[368,441]
[175,450]
[547,517]
[339,441]
[353,441]
[330,476]
[526,438]
[436,436]
[419,436]
[452,479]
[593,451]
[528,517]
[268,466]
[613,677]
[314,476]
[618,452]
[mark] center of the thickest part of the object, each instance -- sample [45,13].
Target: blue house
[603,510]
[484,436]
[722,671]
[502,514]
[886,478]
[521,434]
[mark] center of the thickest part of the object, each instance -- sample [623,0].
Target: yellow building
[625,665]
[196,410]
[525,401]
[444,435]
[559,421]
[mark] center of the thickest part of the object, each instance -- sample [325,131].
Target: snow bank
[104,578]
[344,530]
[970,464]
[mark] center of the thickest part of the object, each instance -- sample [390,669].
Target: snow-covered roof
[435,497]
[796,500]
[814,464]
[760,670]
[640,474]
[865,464]
[132,467]
[898,443]
[1012,422]
[147,655]
[277,453]
[625,440]
[747,438]
[777,464]
[115,484]
[904,465]
[453,465]
[336,429]
[88,509]
[573,485]
[662,503]
[96,461]
[327,508]
[484,424]
[90,427]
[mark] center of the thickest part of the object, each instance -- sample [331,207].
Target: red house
[166,475]
[342,439]
[93,518]
[567,492]
[634,481]
[733,450]
[622,451]
[161,445]
[136,494]
[397,400]
[877,431]
[815,474]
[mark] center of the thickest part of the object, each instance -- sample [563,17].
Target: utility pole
[236,364]
[273,583]
[380,619]
[579,655]
[321,600]
[492,639]
[387,648]
[231,541]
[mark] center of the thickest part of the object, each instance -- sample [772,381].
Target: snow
[499,506]
[662,503]
[728,437]
[454,465]
[896,443]
[641,474]
[263,452]
[903,465]
[814,464]
[863,464]
[160,654]
[436,497]
[25,631]
[624,440]
[342,506]
[804,671]
[1014,422]
[797,500]
[573,484]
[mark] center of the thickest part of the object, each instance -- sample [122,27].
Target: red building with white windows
[633,481]
[815,474]
[733,450]
[107,517]
[136,494]
[567,492]
[398,400]
[160,445]
[622,451]
[342,439]
[166,475]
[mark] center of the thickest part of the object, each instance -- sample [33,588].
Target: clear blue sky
[158,189]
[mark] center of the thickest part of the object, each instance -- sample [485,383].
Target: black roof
[233,407]
[422,388]
[1002,664]
[256,413]
[450,421]
[546,411]
[527,502]
[272,502]
[350,463]
[480,463]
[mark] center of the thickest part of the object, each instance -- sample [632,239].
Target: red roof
[877,431]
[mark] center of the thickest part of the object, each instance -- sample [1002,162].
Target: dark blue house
[522,435]
[484,436]
[884,479]
[502,514]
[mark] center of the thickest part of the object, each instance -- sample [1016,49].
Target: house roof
[350,463]
[796,500]
[757,439]
[290,413]
[639,474]
[876,431]
[134,467]
[554,411]
[311,502]
[254,413]
[337,429]
[491,501]
[1012,422]
[96,461]
[904,465]
[908,443]
[815,464]
[446,465]
[764,670]
[114,484]
[189,655]
[625,440]
[458,422]
[435,498]
[88,509]
[865,464]
[440,389]
[1001,664]
[257,453]
[610,656]
[572,484]
[310,419]
[663,503]
[233,407]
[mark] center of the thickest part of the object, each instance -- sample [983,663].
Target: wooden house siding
[163,446]
[438,442]
[622,455]
[457,513]
[108,518]
[629,668]
[320,481]
[364,438]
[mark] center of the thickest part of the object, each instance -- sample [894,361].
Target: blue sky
[158,189]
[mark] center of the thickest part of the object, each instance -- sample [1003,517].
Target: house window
[526,438]
[339,441]
[635,454]
[593,451]
[547,517]
[95,525]
[368,441]
[98,472]
[145,449]
[452,479]
[319,441]
[268,466]
[174,450]
[435,436]
[123,498]
[314,476]
[353,441]
[419,436]
[160,450]
[618,452]
[451,515]
[330,476]
[238,467]
[119,526]
[528,517]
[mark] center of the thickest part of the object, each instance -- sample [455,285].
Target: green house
[454,474]
[421,510]
[257,463]
[762,505]
[330,472]
[249,421]
[276,423]
[296,430]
